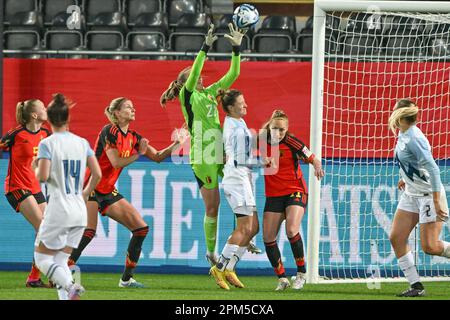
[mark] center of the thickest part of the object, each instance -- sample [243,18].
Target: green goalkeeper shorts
[207,175]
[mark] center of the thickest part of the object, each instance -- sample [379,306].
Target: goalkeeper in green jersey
[199,107]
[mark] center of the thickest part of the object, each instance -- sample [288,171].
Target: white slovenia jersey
[68,154]
[238,141]
[418,169]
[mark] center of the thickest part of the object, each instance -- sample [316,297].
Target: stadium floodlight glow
[366,56]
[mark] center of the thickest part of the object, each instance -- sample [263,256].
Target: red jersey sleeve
[300,149]
[109,137]
[137,139]
[7,140]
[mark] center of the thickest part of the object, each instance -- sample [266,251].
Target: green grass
[104,286]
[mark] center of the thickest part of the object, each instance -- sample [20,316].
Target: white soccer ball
[245,16]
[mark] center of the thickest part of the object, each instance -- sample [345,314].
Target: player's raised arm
[190,77]
[197,67]
[235,37]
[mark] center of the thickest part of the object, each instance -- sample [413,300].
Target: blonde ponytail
[24,110]
[115,105]
[404,109]
[276,115]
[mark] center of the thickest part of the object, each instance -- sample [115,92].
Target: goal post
[312,250]
[366,56]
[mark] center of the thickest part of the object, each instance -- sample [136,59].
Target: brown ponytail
[24,110]
[58,110]
[228,98]
[173,91]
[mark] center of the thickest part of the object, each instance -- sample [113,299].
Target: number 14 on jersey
[72,170]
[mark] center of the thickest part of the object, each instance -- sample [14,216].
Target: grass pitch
[104,286]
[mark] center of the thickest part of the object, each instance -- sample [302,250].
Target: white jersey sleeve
[421,149]
[44,151]
[417,166]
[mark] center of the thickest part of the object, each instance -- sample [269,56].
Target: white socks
[235,258]
[61,259]
[227,253]
[446,252]
[53,270]
[406,264]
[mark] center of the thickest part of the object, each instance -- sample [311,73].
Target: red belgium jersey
[22,145]
[289,177]
[126,144]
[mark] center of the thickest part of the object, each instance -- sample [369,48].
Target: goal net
[372,59]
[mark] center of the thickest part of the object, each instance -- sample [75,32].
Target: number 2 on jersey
[72,169]
[427,211]
[211,110]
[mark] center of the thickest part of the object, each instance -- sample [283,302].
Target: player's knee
[269,238]
[392,238]
[212,210]
[396,239]
[43,261]
[246,230]
[291,232]
[431,248]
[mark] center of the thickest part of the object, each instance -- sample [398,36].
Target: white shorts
[241,197]
[57,238]
[424,206]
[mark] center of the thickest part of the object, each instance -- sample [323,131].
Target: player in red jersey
[286,195]
[22,189]
[116,147]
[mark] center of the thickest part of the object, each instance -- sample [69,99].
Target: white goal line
[376,279]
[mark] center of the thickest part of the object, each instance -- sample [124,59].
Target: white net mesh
[371,61]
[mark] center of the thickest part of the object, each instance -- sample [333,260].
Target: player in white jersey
[61,162]
[237,186]
[423,200]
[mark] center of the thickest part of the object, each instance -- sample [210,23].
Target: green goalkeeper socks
[210,227]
